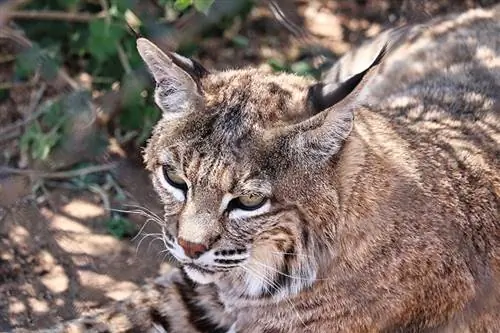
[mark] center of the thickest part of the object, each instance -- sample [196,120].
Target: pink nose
[192,250]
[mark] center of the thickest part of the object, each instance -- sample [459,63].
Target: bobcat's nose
[192,250]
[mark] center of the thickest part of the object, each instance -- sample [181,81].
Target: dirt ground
[57,259]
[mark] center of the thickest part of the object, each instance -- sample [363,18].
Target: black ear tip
[381,55]
[314,96]
[134,32]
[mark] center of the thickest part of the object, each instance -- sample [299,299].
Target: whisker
[291,254]
[157,237]
[287,275]
[154,218]
[145,209]
[276,288]
[142,228]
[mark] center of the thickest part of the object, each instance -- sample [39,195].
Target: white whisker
[157,236]
[145,209]
[142,228]
[287,275]
[276,288]
[291,253]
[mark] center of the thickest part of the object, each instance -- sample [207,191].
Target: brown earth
[57,259]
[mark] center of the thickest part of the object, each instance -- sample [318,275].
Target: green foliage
[105,49]
[302,68]
[42,136]
[120,227]
[200,5]
[103,38]
[240,41]
[47,60]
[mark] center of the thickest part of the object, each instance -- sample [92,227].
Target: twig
[60,174]
[105,11]
[10,136]
[121,53]
[104,198]
[7,58]
[11,85]
[51,15]
[48,198]
[123,58]
[10,34]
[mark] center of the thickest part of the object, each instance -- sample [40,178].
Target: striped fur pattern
[380,212]
[369,224]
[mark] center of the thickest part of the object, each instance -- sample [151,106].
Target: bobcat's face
[221,179]
[237,162]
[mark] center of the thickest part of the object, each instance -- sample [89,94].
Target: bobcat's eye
[248,202]
[174,179]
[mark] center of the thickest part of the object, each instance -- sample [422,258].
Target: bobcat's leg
[173,305]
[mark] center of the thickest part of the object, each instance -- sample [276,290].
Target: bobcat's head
[240,160]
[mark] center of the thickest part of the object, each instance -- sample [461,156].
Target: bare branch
[59,174]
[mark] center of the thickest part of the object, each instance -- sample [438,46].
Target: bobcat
[362,203]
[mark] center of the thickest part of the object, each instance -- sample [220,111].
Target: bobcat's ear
[178,79]
[322,135]
[325,95]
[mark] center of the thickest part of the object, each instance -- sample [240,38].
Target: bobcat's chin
[199,275]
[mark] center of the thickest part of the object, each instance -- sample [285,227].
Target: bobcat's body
[386,223]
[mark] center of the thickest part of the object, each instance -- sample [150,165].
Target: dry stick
[13,85]
[7,58]
[59,174]
[51,15]
[104,198]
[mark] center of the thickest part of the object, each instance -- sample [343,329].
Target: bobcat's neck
[374,174]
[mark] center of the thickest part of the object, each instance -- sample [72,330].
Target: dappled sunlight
[116,290]
[38,306]
[56,280]
[88,244]
[67,261]
[64,223]
[19,234]
[83,209]
[487,57]
[16,306]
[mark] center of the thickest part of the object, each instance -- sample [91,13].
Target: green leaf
[43,144]
[277,65]
[68,3]
[53,115]
[102,39]
[4,94]
[122,5]
[203,5]
[240,41]
[27,62]
[182,5]
[119,226]
[151,115]
[302,68]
